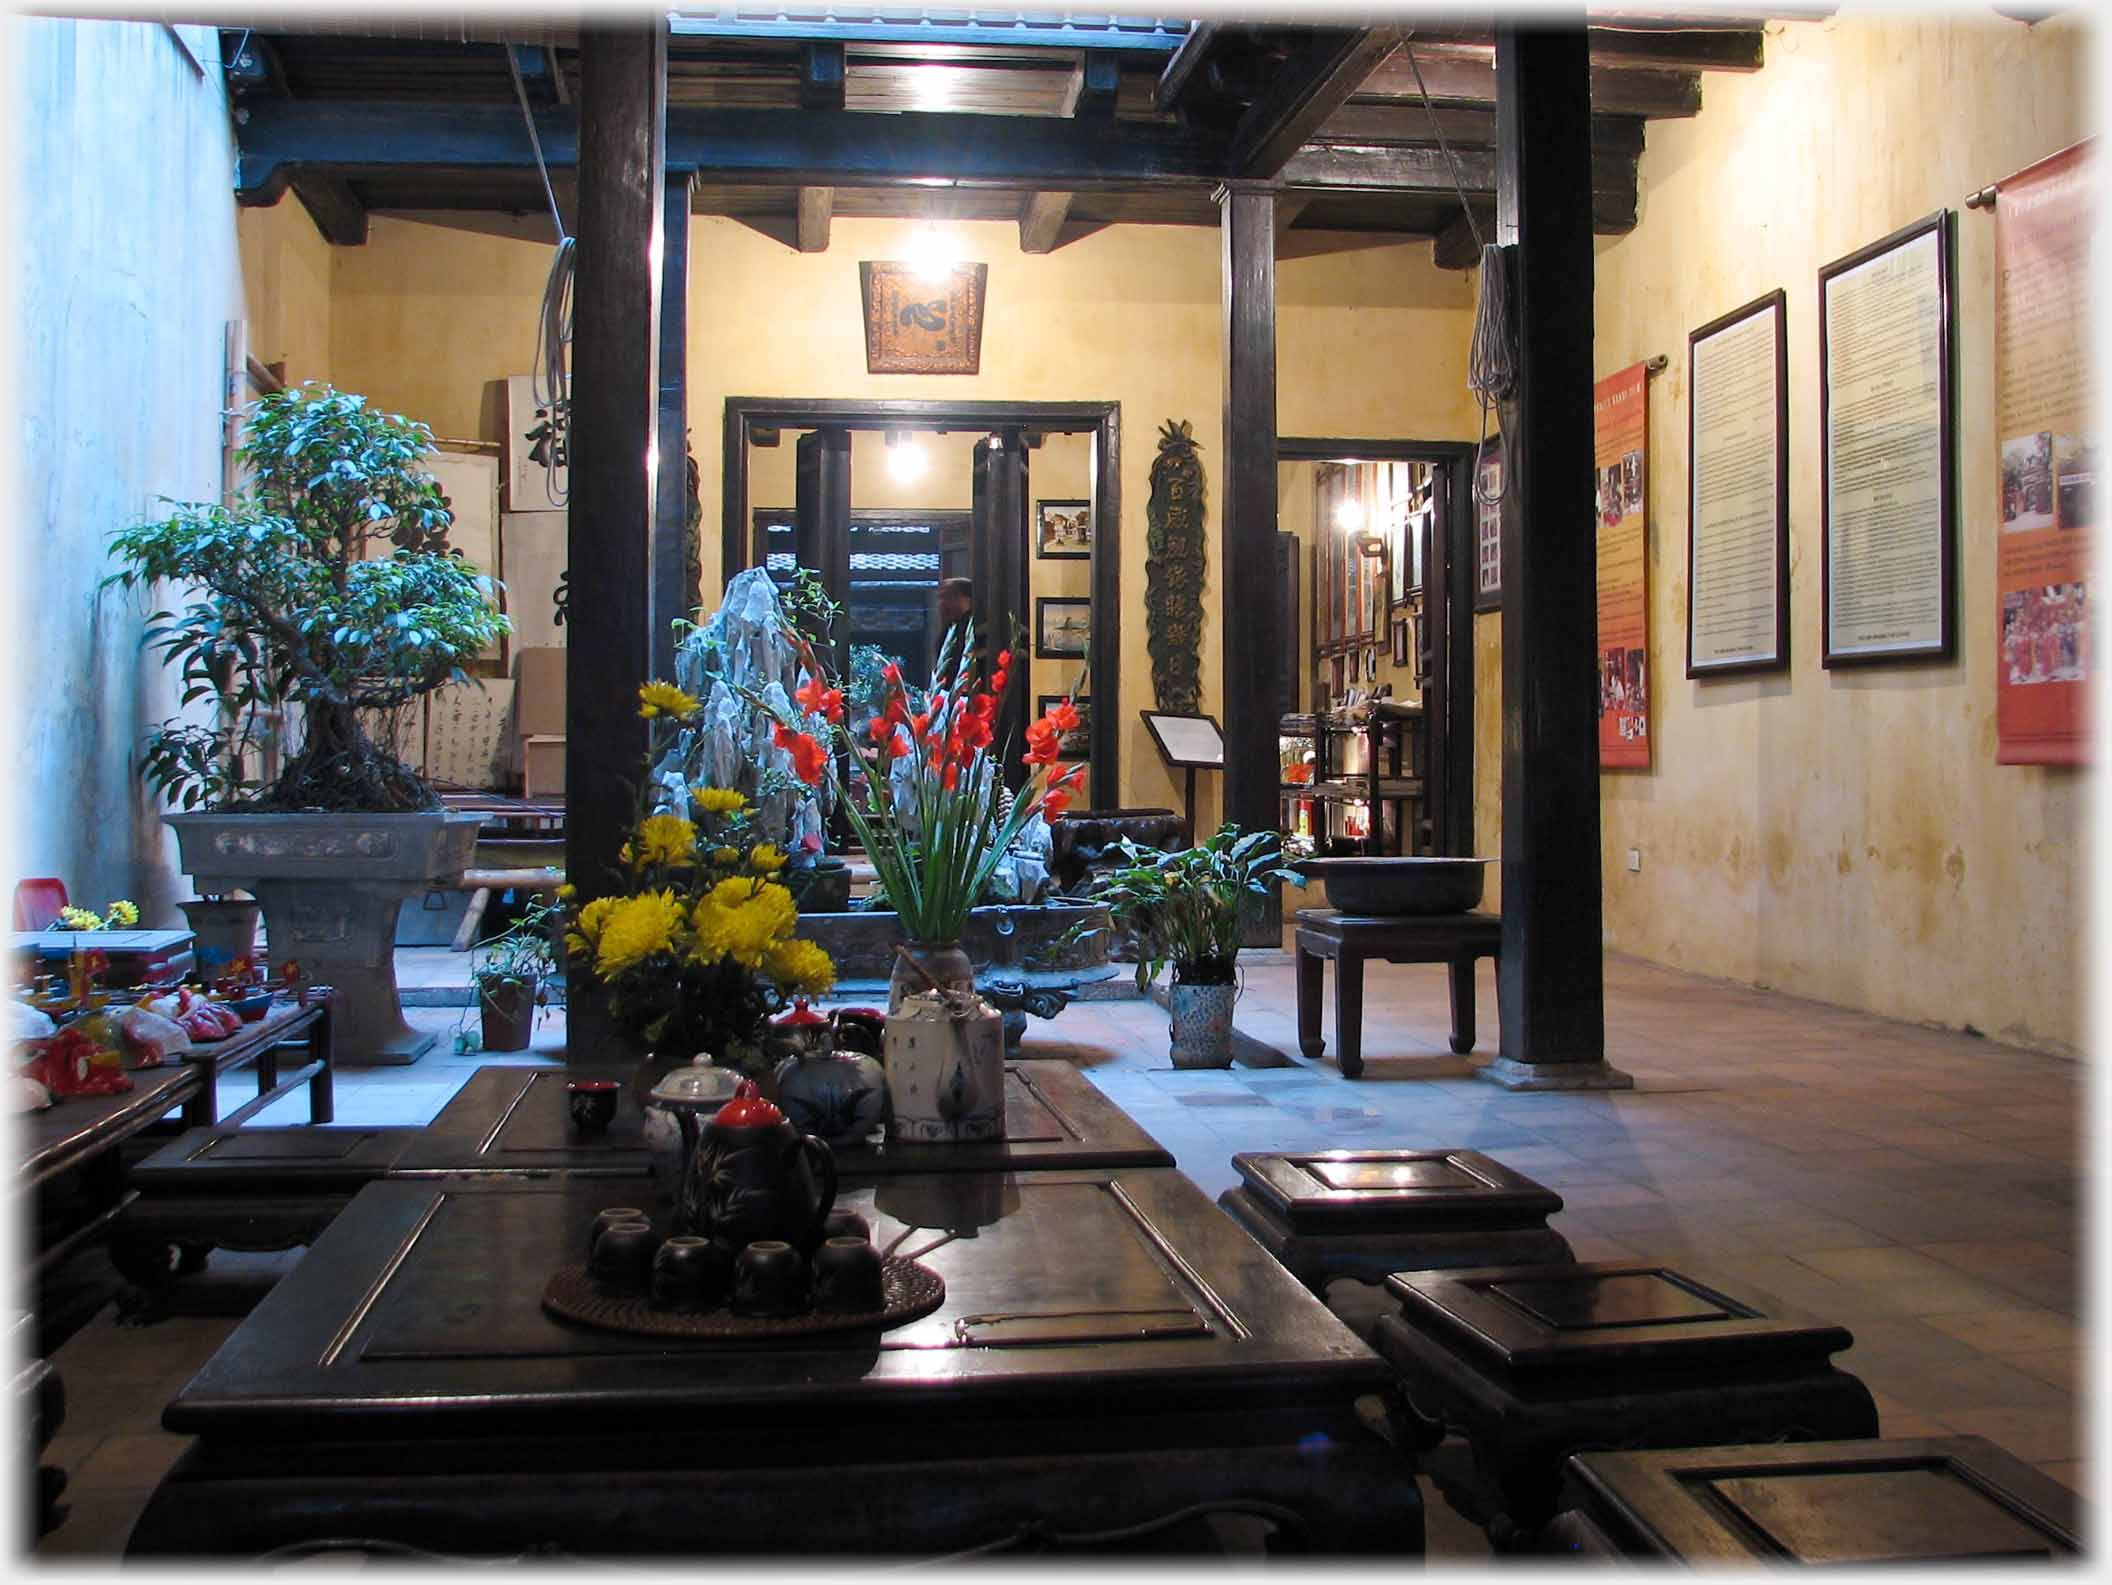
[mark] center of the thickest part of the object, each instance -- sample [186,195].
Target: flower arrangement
[121,914]
[695,940]
[928,807]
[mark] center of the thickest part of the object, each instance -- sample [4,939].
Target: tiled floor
[1924,1189]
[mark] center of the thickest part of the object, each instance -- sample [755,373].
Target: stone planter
[226,928]
[1202,1025]
[331,886]
[1003,941]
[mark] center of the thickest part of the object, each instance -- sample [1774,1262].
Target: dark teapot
[753,1176]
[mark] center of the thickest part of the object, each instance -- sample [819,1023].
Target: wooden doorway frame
[1451,638]
[745,415]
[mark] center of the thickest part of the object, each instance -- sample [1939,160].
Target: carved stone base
[1553,1075]
[331,886]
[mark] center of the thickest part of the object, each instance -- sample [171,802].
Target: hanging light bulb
[905,460]
[930,254]
[1349,515]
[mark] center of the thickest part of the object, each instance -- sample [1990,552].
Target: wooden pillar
[821,522]
[674,592]
[1246,470]
[998,562]
[615,351]
[1550,982]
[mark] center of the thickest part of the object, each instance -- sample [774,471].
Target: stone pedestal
[1370,1213]
[331,886]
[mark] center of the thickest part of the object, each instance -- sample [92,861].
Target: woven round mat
[910,1291]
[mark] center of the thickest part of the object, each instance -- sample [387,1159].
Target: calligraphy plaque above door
[916,324]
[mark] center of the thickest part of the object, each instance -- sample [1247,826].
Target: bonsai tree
[1186,908]
[325,582]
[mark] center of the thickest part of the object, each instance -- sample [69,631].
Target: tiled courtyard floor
[1926,1190]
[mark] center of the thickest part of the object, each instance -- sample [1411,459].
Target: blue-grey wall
[126,276]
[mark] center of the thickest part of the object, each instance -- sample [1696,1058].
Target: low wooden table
[1534,1363]
[285,1025]
[1370,1213]
[238,1188]
[1112,1355]
[1455,940]
[516,1120]
[1924,1500]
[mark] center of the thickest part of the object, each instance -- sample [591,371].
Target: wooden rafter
[1309,89]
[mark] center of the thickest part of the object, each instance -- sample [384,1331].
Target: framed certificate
[1738,491]
[1888,450]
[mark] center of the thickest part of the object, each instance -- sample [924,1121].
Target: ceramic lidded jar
[674,1114]
[839,1096]
[754,1176]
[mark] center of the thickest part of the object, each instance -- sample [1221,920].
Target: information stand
[1187,743]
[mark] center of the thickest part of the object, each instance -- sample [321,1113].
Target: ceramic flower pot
[1202,1025]
[507,1008]
[943,961]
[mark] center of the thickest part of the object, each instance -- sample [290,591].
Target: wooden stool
[1452,939]
[1534,1363]
[1370,1213]
[238,1188]
[1935,1500]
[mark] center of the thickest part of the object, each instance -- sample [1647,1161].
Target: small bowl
[769,1280]
[691,1273]
[592,1102]
[845,1224]
[251,1009]
[623,1256]
[609,1218]
[847,1278]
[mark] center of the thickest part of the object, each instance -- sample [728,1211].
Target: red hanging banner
[2046,484]
[1621,421]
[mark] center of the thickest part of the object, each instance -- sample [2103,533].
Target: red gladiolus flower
[997,683]
[1004,660]
[902,742]
[1042,752]
[920,727]
[893,674]
[879,728]
[1053,803]
[817,698]
[1063,717]
[808,756]
[951,779]
[1069,776]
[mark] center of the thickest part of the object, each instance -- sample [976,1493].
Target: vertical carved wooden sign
[1173,572]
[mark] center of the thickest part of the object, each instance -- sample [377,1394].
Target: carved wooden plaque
[915,325]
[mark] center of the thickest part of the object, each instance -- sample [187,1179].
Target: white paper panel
[534,559]
[468,737]
[530,487]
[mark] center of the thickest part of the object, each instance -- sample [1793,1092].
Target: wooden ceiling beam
[1385,121]
[816,206]
[821,76]
[1183,70]
[1319,170]
[1095,86]
[1303,94]
[1457,247]
[1460,75]
[1664,48]
[333,206]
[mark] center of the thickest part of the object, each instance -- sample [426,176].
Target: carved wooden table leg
[1349,1012]
[1462,971]
[1310,975]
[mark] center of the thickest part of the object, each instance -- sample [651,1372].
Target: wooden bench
[1455,940]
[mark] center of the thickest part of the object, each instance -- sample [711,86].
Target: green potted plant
[510,974]
[322,593]
[1187,908]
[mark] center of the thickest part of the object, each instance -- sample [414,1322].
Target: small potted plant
[510,974]
[1187,909]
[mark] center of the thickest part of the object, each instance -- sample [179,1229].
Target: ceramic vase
[944,961]
[1202,1025]
[945,1058]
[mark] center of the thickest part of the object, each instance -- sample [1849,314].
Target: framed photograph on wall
[1738,491]
[1888,450]
[1488,526]
[1403,649]
[1077,743]
[1063,530]
[1063,627]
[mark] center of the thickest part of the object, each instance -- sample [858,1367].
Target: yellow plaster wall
[1371,341]
[286,280]
[1844,835]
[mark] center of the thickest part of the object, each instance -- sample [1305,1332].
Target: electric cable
[549,380]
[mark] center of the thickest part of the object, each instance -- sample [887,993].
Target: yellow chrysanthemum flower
[726,858]
[637,927]
[664,698]
[765,858]
[799,968]
[742,920]
[80,919]
[124,914]
[666,839]
[566,892]
[718,800]
[585,933]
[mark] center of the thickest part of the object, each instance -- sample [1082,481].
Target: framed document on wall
[1738,491]
[1888,448]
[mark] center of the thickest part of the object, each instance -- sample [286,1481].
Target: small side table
[1452,939]
[1916,1500]
[1534,1363]
[1370,1213]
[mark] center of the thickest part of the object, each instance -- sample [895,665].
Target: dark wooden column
[998,560]
[1550,984]
[674,594]
[821,521]
[615,353]
[1246,474]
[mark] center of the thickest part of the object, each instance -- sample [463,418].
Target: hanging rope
[550,382]
[1492,361]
